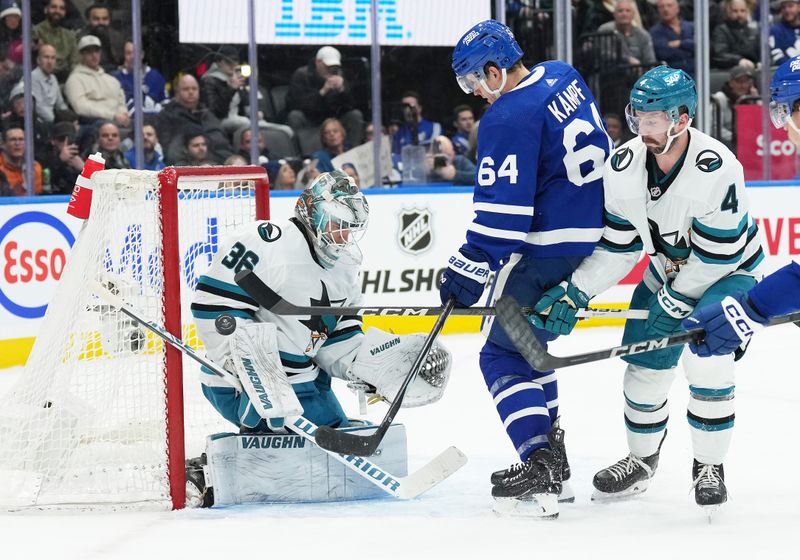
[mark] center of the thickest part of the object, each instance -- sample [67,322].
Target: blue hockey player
[539,211]
[730,324]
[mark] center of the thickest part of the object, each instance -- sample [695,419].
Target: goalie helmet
[335,213]
[487,41]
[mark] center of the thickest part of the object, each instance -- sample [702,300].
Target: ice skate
[556,439]
[627,477]
[533,489]
[197,493]
[708,482]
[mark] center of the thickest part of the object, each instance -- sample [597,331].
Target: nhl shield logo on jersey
[708,161]
[414,234]
[269,232]
[621,159]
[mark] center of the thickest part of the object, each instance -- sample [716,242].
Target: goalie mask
[335,214]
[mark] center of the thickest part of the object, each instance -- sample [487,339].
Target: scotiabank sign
[750,149]
[33,252]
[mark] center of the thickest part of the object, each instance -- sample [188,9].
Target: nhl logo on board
[415,235]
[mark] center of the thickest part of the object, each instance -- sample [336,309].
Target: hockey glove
[464,278]
[667,309]
[555,311]
[729,325]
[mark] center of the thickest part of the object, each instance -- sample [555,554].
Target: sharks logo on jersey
[621,159]
[321,326]
[708,161]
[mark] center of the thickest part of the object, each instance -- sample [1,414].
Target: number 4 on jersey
[486,174]
[730,202]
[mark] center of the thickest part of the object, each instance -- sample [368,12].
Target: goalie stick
[520,333]
[331,438]
[402,487]
[276,304]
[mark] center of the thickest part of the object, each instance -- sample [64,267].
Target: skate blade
[710,511]
[567,495]
[539,506]
[638,488]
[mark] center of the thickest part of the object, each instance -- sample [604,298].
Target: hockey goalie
[285,363]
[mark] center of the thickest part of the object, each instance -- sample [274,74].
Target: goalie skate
[556,440]
[534,488]
[710,491]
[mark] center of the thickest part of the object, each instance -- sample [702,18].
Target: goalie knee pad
[384,360]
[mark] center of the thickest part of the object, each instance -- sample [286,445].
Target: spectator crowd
[83,92]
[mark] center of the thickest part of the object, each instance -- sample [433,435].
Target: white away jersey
[694,222]
[282,258]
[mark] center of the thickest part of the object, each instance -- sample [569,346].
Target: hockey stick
[331,438]
[520,333]
[344,442]
[276,304]
[403,487]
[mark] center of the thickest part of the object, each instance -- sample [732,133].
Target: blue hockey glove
[729,325]
[667,309]
[555,311]
[464,278]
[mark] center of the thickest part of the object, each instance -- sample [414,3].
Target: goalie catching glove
[384,360]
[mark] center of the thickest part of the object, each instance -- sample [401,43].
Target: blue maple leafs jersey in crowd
[538,186]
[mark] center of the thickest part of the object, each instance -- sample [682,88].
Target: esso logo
[33,252]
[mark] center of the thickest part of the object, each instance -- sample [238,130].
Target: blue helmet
[784,90]
[488,41]
[664,89]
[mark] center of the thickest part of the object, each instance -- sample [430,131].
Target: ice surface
[455,519]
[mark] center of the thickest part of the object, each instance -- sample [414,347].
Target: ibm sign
[331,22]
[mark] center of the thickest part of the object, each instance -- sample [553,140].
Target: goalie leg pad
[254,357]
[264,468]
[384,360]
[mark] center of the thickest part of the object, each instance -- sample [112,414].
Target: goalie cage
[104,414]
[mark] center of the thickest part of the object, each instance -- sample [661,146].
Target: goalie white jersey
[693,222]
[281,256]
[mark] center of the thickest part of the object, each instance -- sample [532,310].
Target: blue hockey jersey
[538,186]
[778,293]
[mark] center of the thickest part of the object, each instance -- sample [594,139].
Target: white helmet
[335,214]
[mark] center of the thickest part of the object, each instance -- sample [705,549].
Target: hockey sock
[645,425]
[522,406]
[711,416]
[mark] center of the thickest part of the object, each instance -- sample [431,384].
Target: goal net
[104,413]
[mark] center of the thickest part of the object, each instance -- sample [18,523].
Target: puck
[225,324]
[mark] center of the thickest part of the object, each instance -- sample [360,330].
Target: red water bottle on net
[80,203]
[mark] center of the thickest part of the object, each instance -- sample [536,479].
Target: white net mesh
[85,425]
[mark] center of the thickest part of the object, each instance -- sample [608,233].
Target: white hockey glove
[384,360]
[255,359]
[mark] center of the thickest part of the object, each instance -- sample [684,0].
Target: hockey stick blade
[249,282]
[343,442]
[520,333]
[402,487]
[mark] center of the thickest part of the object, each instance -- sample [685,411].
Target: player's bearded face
[652,126]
